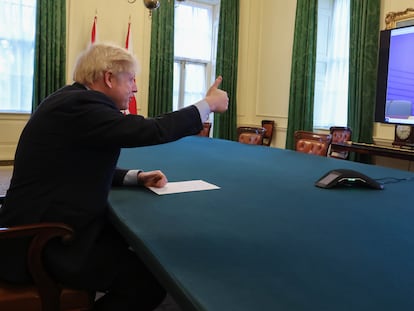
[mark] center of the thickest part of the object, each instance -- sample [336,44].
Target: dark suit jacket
[65,164]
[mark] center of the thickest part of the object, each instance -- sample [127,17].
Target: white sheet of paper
[184,186]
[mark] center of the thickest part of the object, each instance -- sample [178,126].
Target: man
[65,164]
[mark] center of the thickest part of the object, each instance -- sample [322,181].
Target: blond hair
[101,57]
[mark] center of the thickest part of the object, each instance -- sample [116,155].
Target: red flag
[132,105]
[128,45]
[128,39]
[93,34]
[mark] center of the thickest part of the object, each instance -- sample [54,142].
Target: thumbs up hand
[217,99]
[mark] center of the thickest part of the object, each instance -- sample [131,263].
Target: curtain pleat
[160,96]
[302,79]
[50,49]
[363,57]
[225,125]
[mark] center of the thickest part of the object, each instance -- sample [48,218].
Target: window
[17,34]
[332,63]
[195,36]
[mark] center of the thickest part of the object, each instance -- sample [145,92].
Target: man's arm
[124,177]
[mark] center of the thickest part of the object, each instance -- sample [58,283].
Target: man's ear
[108,78]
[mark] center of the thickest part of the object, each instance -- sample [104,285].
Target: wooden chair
[206,130]
[313,143]
[45,294]
[250,135]
[269,125]
[340,134]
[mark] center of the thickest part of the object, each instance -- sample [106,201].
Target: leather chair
[250,135]
[269,125]
[340,134]
[45,294]
[206,130]
[312,143]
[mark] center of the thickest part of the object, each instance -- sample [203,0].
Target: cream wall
[11,126]
[266,39]
[112,25]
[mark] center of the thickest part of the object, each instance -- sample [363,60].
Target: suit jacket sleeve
[119,175]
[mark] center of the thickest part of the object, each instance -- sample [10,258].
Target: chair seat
[250,135]
[251,138]
[45,294]
[72,299]
[19,298]
[312,143]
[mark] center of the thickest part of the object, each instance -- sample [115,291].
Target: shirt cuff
[131,178]
[203,109]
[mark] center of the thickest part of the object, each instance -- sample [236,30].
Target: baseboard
[6,162]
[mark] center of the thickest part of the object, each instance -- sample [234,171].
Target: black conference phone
[347,178]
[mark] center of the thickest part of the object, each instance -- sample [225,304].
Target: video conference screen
[395,88]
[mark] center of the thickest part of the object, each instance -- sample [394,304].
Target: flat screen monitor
[395,84]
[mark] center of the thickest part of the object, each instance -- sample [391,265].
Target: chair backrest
[340,134]
[269,125]
[313,143]
[250,135]
[45,292]
[206,129]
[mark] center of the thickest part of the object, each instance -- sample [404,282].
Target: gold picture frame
[399,19]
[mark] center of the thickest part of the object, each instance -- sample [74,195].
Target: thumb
[217,83]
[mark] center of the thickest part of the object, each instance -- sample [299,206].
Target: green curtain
[363,57]
[160,97]
[225,124]
[50,49]
[302,78]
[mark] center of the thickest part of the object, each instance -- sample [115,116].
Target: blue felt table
[269,239]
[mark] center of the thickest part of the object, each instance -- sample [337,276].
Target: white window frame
[16,106]
[182,62]
[212,5]
[337,112]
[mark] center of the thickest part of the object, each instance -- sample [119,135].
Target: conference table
[268,239]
